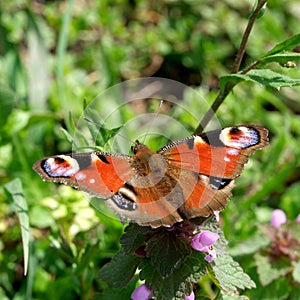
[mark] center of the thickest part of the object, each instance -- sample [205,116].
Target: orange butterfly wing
[100,174]
[217,157]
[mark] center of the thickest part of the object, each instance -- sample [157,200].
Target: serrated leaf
[15,193]
[269,271]
[296,271]
[167,251]
[230,275]
[119,271]
[231,296]
[181,280]
[286,45]
[135,236]
[261,76]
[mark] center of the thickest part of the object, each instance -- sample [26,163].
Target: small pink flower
[203,241]
[278,218]
[142,293]
[191,296]
[298,219]
[212,254]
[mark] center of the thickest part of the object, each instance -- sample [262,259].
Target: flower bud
[142,293]
[278,218]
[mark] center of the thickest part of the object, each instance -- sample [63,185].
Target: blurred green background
[55,54]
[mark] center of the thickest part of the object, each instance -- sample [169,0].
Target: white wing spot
[232,152]
[199,140]
[80,176]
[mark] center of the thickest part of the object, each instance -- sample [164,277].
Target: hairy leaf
[179,283]
[135,236]
[230,275]
[119,271]
[167,251]
[269,270]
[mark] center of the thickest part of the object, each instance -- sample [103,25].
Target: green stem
[236,66]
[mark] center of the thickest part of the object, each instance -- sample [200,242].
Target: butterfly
[185,179]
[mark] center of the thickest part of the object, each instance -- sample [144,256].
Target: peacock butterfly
[185,179]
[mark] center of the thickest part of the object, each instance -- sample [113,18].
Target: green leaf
[99,133]
[167,251]
[14,191]
[231,296]
[179,282]
[135,236]
[295,293]
[277,290]
[118,294]
[296,271]
[7,101]
[286,45]
[119,271]
[281,58]
[261,76]
[67,135]
[230,275]
[269,270]
[250,246]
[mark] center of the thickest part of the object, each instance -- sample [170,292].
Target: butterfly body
[188,178]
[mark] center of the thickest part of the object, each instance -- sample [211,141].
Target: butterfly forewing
[219,153]
[100,174]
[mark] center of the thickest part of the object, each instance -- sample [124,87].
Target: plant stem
[236,66]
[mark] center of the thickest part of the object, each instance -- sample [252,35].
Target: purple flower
[203,241]
[278,218]
[191,296]
[142,293]
[212,254]
[298,219]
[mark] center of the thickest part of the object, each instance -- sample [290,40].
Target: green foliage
[168,265]
[16,196]
[55,54]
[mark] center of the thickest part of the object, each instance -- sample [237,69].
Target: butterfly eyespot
[60,166]
[123,201]
[217,183]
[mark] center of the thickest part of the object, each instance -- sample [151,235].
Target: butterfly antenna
[153,119]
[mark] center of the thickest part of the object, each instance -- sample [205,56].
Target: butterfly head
[137,147]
